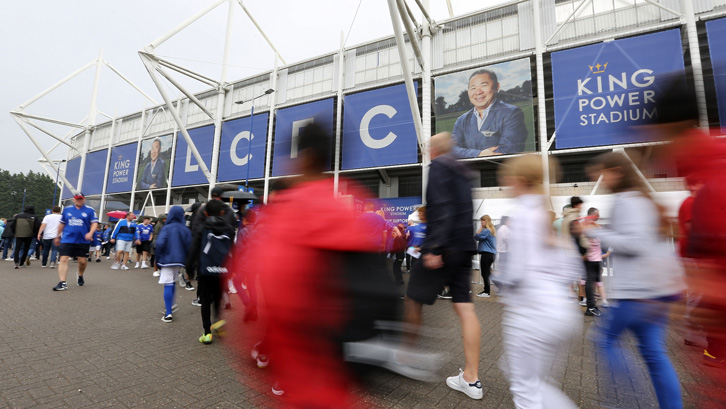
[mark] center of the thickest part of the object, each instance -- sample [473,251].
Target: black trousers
[210,295]
[397,274]
[486,259]
[592,270]
[22,246]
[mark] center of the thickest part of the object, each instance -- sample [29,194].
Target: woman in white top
[536,273]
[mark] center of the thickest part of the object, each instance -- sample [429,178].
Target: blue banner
[397,209]
[602,90]
[94,172]
[288,125]
[378,129]
[186,167]
[239,148]
[121,169]
[73,168]
[716,30]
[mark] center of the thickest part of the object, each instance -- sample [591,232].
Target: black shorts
[425,284]
[74,249]
[144,246]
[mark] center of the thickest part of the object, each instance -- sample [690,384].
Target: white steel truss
[157,66]
[88,124]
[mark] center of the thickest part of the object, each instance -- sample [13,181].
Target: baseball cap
[79,195]
[217,192]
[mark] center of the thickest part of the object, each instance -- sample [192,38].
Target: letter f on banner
[188,167]
[296,126]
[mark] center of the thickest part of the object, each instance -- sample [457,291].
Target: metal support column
[105,173]
[541,111]
[270,124]
[174,137]
[136,168]
[90,127]
[426,100]
[695,52]
[339,114]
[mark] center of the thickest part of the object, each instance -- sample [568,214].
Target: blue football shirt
[77,223]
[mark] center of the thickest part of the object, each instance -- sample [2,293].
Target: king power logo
[613,97]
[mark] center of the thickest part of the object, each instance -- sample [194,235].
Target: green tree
[38,189]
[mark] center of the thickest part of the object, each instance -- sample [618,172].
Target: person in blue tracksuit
[123,236]
[172,248]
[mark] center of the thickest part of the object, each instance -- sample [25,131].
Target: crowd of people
[337,301]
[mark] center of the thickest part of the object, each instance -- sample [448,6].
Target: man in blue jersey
[77,225]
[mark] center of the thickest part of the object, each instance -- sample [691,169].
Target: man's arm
[458,135]
[440,210]
[40,232]
[61,226]
[513,132]
[89,235]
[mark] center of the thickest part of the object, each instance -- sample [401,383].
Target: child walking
[172,247]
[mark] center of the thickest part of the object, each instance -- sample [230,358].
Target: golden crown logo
[596,69]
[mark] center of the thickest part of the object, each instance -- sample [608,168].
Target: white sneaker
[472,390]
[108,258]
[137,265]
[232,290]
[9,259]
[115,266]
[124,268]
[604,304]
[583,302]
[156,274]
[144,265]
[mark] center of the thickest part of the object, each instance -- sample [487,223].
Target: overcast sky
[43,41]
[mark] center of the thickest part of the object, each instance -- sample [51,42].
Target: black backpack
[213,253]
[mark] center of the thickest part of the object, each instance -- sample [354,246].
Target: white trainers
[124,268]
[232,290]
[156,274]
[472,390]
[115,266]
[583,302]
[108,258]
[137,265]
[604,304]
[144,265]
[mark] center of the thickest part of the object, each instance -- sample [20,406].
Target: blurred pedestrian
[123,236]
[26,226]
[648,280]
[446,257]
[533,282]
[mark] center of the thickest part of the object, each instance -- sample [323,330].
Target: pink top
[594,252]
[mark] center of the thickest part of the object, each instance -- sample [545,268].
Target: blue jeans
[647,320]
[7,243]
[48,244]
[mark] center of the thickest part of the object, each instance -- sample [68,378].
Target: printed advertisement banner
[602,90]
[397,209]
[488,110]
[186,167]
[288,125]
[94,172]
[378,129]
[154,163]
[716,30]
[73,168]
[241,149]
[121,169]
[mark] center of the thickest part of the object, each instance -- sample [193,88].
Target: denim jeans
[48,244]
[7,243]
[647,320]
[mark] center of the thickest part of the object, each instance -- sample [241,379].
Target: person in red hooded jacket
[306,302]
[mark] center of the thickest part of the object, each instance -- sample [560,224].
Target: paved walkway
[104,345]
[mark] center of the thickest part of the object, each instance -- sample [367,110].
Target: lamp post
[55,190]
[249,140]
[22,207]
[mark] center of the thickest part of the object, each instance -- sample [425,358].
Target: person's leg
[6,244]
[125,257]
[46,251]
[486,261]
[216,291]
[82,263]
[205,296]
[397,274]
[471,334]
[412,315]
[63,268]
[650,330]
[591,271]
[53,252]
[20,250]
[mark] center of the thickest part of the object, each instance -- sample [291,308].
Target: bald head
[440,144]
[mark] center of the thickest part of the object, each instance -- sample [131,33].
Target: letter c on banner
[366,137]
[233,149]
[188,167]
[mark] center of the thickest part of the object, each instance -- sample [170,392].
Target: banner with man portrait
[154,163]
[488,110]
